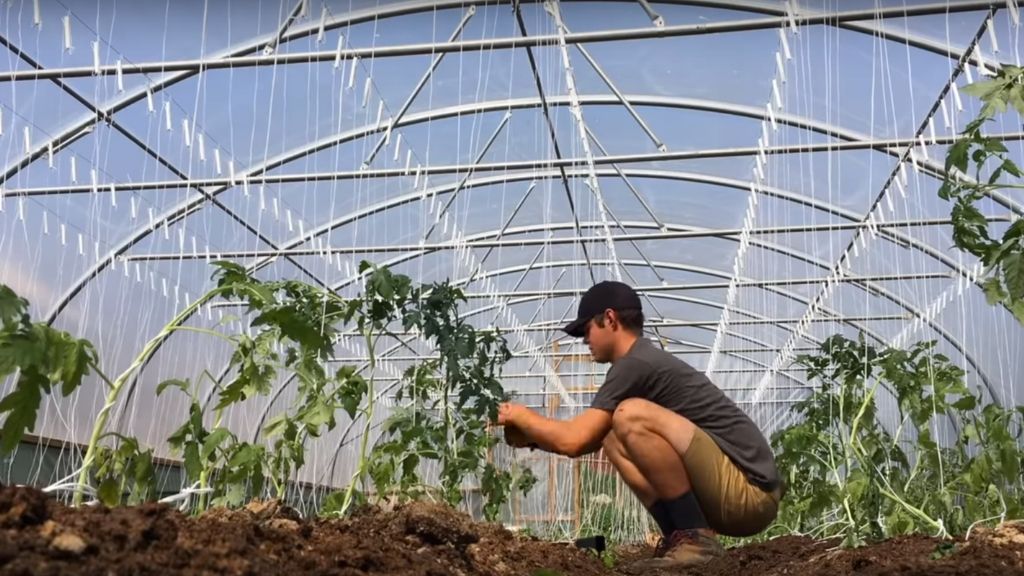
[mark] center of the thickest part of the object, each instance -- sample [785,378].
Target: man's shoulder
[630,364]
[653,355]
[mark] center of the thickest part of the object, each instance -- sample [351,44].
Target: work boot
[683,548]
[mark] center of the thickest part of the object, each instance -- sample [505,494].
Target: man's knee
[635,416]
[629,416]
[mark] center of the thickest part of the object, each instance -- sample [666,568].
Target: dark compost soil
[998,551]
[41,536]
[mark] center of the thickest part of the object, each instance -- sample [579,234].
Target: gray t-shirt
[657,376]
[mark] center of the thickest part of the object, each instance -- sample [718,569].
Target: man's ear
[612,319]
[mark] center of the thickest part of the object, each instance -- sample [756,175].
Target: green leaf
[21,406]
[994,293]
[332,504]
[966,403]
[1010,168]
[193,465]
[957,155]
[1017,309]
[1013,273]
[319,415]
[109,492]
[1016,96]
[213,441]
[12,307]
[183,385]
[983,88]
[145,475]
[276,426]
[77,356]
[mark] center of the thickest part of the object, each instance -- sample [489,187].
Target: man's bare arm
[581,435]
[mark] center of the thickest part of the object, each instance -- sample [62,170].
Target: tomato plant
[450,399]
[847,475]
[43,358]
[124,474]
[977,166]
[296,325]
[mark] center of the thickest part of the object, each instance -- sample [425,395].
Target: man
[693,458]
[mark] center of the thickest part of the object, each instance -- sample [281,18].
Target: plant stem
[106,379]
[206,331]
[115,388]
[368,415]
[204,475]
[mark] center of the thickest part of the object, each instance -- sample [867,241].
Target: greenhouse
[273,272]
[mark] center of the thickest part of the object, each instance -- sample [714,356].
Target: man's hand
[508,413]
[508,416]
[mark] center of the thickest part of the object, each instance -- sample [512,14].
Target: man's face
[600,339]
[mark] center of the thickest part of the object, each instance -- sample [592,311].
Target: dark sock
[684,512]
[662,517]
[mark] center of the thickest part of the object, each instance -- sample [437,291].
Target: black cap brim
[576,327]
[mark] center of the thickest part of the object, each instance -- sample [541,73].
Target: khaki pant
[732,505]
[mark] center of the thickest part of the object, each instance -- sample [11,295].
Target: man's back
[655,375]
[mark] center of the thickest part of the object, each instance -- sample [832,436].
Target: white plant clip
[992,35]
[956,97]
[785,44]
[352,72]
[321,31]
[366,90]
[68,46]
[337,52]
[95,57]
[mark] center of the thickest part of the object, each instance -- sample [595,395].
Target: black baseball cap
[600,297]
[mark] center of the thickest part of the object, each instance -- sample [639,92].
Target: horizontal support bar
[596,388]
[433,48]
[713,285]
[519,243]
[601,374]
[551,326]
[563,355]
[556,326]
[464,169]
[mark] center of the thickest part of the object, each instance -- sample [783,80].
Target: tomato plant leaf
[1013,272]
[109,492]
[77,356]
[216,437]
[967,403]
[994,292]
[193,463]
[13,308]
[21,406]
